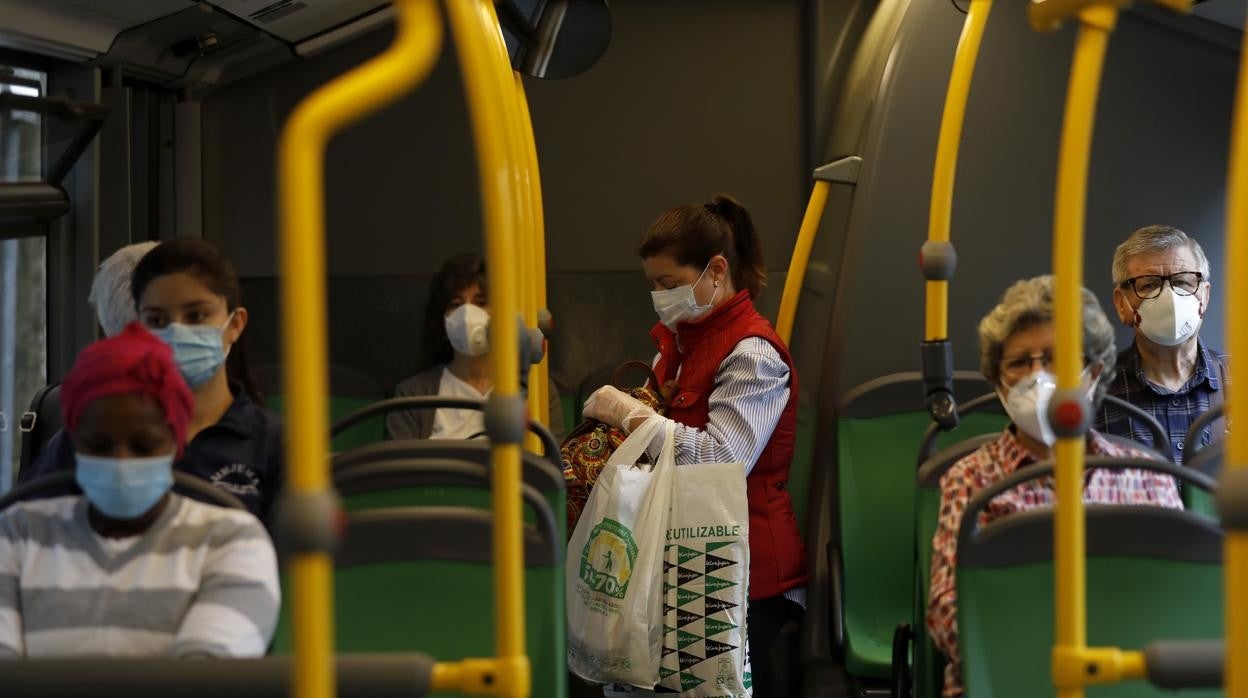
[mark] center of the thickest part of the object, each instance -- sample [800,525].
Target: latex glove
[615,407]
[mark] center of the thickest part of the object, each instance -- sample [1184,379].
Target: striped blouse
[751,392]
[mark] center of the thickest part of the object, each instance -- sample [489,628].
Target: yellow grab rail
[492,106]
[1075,665]
[945,168]
[539,379]
[801,258]
[301,185]
[1235,471]
[1048,15]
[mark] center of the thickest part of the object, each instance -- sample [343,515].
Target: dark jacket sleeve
[56,457]
[556,425]
[274,467]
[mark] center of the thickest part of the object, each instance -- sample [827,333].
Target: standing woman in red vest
[735,396]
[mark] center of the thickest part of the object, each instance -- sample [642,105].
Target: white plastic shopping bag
[706,584]
[614,566]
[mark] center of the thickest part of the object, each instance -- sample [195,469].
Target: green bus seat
[537,472]
[349,391]
[368,432]
[880,426]
[1207,460]
[1152,574]
[420,579]
[927,672]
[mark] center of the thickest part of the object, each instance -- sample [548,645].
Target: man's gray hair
[1151,240]
[110,290]
[1029,303]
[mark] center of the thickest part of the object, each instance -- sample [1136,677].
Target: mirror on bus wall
[555,38]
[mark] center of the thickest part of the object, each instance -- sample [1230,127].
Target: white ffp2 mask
[468,328]
[1170,319]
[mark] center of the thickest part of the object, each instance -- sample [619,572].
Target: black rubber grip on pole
[937,362]
[1175,664]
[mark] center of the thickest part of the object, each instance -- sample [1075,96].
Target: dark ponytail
[205,262]
[694,233]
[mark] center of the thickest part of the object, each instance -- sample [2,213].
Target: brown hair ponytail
[694,233]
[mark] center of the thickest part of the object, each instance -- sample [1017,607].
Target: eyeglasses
[1021,366]
[1015,367]
[1184,283]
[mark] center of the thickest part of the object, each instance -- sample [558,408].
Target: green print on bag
[608,558]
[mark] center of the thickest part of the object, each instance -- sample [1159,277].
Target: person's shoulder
[55,507]
[757,353]
[971,467]
[25,520]
[424,383]
[220,525]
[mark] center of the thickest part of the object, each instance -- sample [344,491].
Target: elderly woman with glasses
[1016,342]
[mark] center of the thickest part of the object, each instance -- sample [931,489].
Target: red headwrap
[134,362]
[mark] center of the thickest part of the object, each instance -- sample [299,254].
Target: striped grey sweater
[201,581]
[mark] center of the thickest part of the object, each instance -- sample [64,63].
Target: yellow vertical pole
[1236,457]
[349,98]
[801,258]
[491,103]
[945,168]
[1096,22]
[525,247]
[539,380]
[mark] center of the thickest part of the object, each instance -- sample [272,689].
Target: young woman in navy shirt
[187,294]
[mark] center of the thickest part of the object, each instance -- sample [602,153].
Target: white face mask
[1170,319]
[676,305]
[1027,403]
[468,328]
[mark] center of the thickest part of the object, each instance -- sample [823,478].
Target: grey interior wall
[690,99]
[1159,156]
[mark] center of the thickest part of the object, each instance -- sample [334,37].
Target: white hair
[110,290]
[1030,302]
[1151,240]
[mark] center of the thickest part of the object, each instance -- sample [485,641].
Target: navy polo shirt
[241,454]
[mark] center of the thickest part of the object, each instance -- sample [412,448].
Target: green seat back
[876,475]
[473,498]
[1005,619]
[421,579]
[928,663]
[1199,501]
[445,609]
[370,431]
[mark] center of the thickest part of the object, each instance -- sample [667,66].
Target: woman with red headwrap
[131,568]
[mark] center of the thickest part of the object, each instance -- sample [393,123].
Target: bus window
[23,304]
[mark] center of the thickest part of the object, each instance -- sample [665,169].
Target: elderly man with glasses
[1161,290]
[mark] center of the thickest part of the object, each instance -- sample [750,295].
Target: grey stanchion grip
[1176,664]
[375,676]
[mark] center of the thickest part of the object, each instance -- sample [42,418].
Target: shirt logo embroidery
[237,479]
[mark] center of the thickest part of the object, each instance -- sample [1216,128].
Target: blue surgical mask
[198,349]
[677,305]
[124,488]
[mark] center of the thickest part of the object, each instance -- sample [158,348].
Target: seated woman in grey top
[457,338]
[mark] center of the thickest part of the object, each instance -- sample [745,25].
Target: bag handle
[617,377]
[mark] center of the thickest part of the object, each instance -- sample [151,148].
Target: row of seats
[413,572]
[885,511]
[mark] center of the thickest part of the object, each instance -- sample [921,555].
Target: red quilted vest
[777,556]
